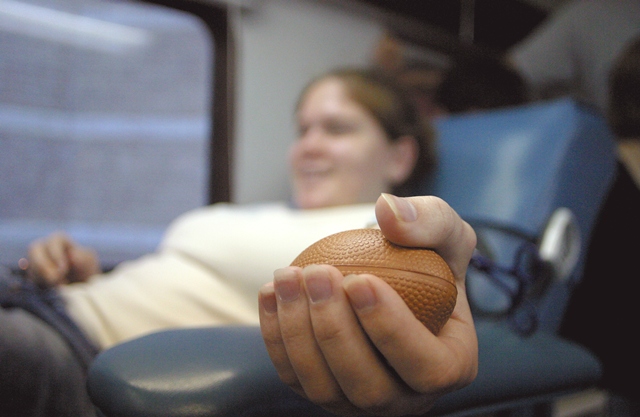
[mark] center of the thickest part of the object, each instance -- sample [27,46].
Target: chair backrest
[515,166]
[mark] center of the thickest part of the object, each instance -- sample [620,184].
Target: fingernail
[360,292]
[318,285]
[286,285]
[401,207]
[23,263]
[268,298]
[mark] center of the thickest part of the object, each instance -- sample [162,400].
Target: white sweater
[206,272]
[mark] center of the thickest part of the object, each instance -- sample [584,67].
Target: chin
[310,201]
[316,196]
[310,204]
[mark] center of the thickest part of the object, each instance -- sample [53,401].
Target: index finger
[426,362]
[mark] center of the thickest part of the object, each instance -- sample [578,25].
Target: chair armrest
[226,371]
[218,371]
[517,371]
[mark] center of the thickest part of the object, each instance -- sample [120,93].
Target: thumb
[427,222]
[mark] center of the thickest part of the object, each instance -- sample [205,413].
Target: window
[105,123]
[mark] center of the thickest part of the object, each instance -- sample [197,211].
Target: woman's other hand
[58,260]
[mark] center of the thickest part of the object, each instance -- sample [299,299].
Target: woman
[358,137]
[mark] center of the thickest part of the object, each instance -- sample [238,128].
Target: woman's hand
[351,345]
[58,260]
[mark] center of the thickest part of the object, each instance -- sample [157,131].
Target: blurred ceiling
[491,24]
[546,4]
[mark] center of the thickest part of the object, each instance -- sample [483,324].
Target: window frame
[216,18]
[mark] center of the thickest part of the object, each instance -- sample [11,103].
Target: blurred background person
[571,53]
[468,82]
[479,82]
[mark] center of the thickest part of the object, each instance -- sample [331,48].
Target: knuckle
[328,335]
[270,335]
[386,339]
[35,246]
[290,379]
[293,339]
[329,399]
[446,379]
[372,402]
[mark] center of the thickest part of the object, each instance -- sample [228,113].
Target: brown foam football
[420,276]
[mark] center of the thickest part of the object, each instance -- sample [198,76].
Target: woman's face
[342,154]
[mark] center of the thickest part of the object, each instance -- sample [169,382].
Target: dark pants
[603,312]
[40,373]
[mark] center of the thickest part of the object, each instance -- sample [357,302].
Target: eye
[339,127]
[302,130]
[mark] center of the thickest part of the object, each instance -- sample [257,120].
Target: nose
[311,139]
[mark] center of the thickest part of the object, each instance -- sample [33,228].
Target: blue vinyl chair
[531,180]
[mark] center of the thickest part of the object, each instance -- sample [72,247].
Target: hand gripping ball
[420,276]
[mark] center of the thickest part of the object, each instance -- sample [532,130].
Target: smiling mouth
[312,178]
[313,172]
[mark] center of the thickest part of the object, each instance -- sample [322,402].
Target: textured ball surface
[420,276]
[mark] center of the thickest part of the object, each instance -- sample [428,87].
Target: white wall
[282,44]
